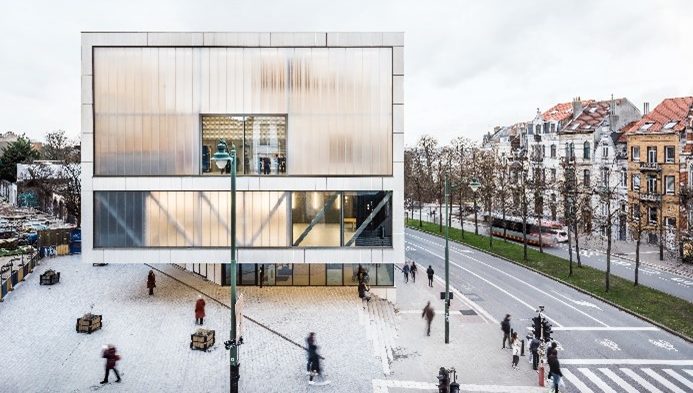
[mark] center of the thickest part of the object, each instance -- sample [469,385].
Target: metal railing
[15,271]
[650,166]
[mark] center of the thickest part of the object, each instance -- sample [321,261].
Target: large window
[651,154]
[553,151]
[635,182]
[670,182]
[314,274]
[586,151]
[635,153]
[260,142]
[651,183]
[315,219]
[669,154]
[367,220]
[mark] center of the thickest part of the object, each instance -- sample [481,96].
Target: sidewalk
[649,254]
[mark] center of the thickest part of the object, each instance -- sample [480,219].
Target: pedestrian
[200,310]
[515,345]
[314,364]
[505,327]
[429,273]
[405,270]
[534,349]
[553,350]
[109,353]
[151,282]
[310,340]
[428,313]
[361,274]
[364,293]
[262,274]
[555,371]
[413,270]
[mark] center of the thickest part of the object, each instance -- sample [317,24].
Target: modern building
[316,120]
[659,169]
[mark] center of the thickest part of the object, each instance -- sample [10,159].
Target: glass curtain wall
[367,219]
[315,219]
[313,274]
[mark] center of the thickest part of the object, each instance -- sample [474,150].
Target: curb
[609,302]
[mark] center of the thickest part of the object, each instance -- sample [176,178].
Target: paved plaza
[382,348]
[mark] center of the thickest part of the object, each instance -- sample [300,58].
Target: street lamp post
[447,267]
[474,185]
[222,158]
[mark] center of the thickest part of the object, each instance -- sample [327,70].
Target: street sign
[442,296]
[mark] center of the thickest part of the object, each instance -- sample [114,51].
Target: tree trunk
[461,215]
[608,252]
[570,251]
[661,230]
[505,230]
[637,259]
[476,222]
[440,220]
[541,241]
[577,244]
[490,230]
[420,213]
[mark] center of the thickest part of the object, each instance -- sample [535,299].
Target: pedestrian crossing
[628,380]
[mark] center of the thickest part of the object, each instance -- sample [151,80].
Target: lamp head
[222,156]
[474,185]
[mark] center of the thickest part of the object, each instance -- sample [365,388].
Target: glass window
[651,154]
[605,151]
[386,273]
[284,274]
[351,273]
[586,151]
[624,177]
[553,174]
[670,182]
[260,143]
[301,274]
[315,217]
[537,129]
[553,151]
[670,222]
[317,274]
[368,219]
[651,183]
[586,178]
[652,214]
[246,274]
[334,273]
[635,153]
[270,274]
[670,154]
[636,182]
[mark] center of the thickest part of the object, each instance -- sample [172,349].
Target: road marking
[666,362]
[619,381]
[578,302]
[533,308]
[608,343]
[663,344]
[481,311]
[609,328]
[689,372]
[679,378]
[662,380]
[640,380]
[382,386]
[596,380]
[575,381]
[536,289]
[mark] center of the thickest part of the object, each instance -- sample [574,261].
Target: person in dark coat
[109,353]
[555,371]
[200,310]
[429,273]
[428,313]
[413,271]
[314,363]
[505,327]
[553,350]
[310,341]
[262,274]
[534,349]
[405,270]
[151,282]
[363,293]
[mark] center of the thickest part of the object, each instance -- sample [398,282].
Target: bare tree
[567,189]
[606,193]
[461,150]
[503,190]
[520,170]
[636,229]
[487,169]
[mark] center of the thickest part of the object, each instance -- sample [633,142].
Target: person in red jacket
[151,282]
[109,353]
[200,310]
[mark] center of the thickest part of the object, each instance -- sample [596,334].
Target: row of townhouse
[611,146]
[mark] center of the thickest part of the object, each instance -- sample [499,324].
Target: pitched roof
[592,115]
[623,132]
[672,114]
[562,111]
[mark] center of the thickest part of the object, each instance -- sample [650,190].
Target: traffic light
[546,329]
[536,327]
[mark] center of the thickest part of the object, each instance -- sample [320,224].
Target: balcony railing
[650,166]
[650,197]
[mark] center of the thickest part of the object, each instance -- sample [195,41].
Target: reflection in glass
[284,274]
[368,219]
[301,274]
[317,274]
[260,143]
[351,272]
[246,274]
[315,218]
[385,274]
[334,273]
[270,274]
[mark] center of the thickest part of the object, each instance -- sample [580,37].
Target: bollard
[522,347]
[541,374]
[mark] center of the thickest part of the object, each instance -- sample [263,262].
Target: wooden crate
[202,339]
[89,323]
[50,277]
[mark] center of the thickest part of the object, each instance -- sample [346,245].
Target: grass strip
[670,311]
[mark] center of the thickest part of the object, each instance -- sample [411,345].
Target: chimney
[577,107]
[645,108]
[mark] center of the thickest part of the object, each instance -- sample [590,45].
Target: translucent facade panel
[148,102]
[333,273]
[189,219]
[315,219]
[317,274]
[367,219]
[385,274]
[284,274]
[301,274]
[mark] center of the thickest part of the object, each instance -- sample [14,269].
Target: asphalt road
[603,348]
[673,284]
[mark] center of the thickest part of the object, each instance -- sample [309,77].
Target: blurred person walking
[151,282]
[428,313]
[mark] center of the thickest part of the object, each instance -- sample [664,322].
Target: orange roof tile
[672,114]
[562,111]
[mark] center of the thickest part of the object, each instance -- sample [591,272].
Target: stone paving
[382,348]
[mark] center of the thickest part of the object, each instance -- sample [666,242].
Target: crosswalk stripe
[596,380]
[575,381]
[640,380]
[679,378]
[689,372]
[662,380]
[619,381]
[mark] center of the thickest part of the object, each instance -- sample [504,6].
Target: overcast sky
[469,65]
